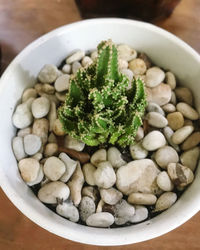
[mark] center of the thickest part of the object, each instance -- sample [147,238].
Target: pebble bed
[108,186]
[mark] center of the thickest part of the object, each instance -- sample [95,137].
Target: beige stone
[166,155]
[175,120]
[142,199]
[58,128]
[192,141]
[40,128]
[184,95]
[179,174]
[160,94]
[187,111]
[170,79]
[165,201]
[181,134]
[137,176]
[190,157]
[138,66]
[29,169]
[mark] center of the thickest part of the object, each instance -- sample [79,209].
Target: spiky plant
[98,108]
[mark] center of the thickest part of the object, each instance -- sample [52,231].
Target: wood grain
[22,21]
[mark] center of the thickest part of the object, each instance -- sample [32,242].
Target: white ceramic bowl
[164,49]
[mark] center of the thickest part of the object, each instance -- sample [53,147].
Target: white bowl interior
[164,49]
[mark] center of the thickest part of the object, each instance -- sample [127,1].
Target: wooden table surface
[22,21]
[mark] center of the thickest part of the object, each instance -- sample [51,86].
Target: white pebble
[142,199]
[110,196]
[29,169]
[94,55]
[104,176]
[38,156]
[125,52]
[44,88]
[48,73]
[173,98]
[187,111]
[54,168]
[138,176]
[141,214]
[153,141]
[181,134]
[24,131]
[28,93]
[18,148]
[122,64]
[98,156]
[123,212]
[75,185]
[77,56]
[59,73]
[39,177]
[53,192]
[86,207]
[29,102]
[170,79]
[66,69]
[137,151]
[160,94]
[40,107]
[166,155]
[62,83]
[88,171]
[169,108]
[165,201]
[168,132]
[138,66]
[32,144]
[102,219]
[86,61]
[73,143]
[68,210]
[164,182]
[51,98]
[22,116]
[91,192]
[154,107]
[140,134]
[75,66]
[115,157]
[70,166]
[154,76]
[156,120]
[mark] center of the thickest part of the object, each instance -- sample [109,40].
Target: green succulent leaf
[98,108]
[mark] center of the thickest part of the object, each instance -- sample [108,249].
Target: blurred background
[21,22]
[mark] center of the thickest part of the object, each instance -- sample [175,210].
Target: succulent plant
[99,108]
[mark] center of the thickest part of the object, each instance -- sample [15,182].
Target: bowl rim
[25,208]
